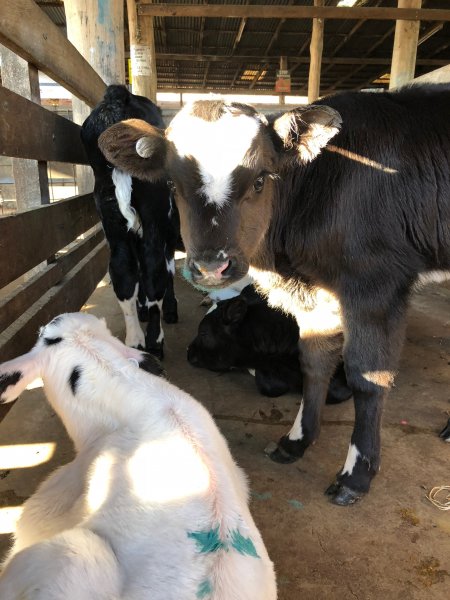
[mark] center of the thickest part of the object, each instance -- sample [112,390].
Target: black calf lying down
[245,333]
[140,223]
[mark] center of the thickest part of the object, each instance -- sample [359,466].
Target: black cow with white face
[338,209]
[141,224]
[244,332]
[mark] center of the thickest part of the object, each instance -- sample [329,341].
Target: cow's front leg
[170,304]
[371,352]
[318,357]
[123,270]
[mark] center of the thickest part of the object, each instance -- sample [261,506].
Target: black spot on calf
[51,341]
[7,379]
[74,378]
[151,364]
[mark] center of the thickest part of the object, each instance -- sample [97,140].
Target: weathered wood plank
[26,294]
[291,12]
[28,31]
[41,233]
[28,130]
[68,296]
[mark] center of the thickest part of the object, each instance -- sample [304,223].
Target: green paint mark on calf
[207,541]
[204,589]
[243,545]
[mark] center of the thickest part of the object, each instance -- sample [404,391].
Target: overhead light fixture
[347,3]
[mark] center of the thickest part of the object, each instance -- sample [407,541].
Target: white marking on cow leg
[252,372]
[170,265]
[159,304]
[352,457]
[296,433]
[124,184]
[134,335]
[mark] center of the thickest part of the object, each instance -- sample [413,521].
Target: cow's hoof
[170,317]
[445,433]
[342,495]
[281,456]
[156,351]
[287,451]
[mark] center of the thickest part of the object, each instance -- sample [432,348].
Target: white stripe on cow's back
[193,136]
[123,184]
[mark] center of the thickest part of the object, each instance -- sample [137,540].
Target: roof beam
[234,11]
[296,60]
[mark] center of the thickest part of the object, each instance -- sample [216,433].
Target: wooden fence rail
[64,238]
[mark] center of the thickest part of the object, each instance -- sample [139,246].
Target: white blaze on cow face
[194,137]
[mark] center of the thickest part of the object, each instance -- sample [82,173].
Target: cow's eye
[171,186]
[258,184]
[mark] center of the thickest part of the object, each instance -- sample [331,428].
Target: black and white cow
[339,238]
[244,332]
[140,223]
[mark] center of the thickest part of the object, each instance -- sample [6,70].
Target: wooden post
[96,30]
[142,53]
[405,47]
[30,176]
[283,67]
[315,49]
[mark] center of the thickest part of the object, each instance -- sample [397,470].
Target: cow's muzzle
[213,273]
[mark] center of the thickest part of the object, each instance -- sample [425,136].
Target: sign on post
[283,82]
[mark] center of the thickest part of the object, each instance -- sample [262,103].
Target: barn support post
[142,53]
[405,47]
[315,49]
[96,30]
[283,67]
[30,176]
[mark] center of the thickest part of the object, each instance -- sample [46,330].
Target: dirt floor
[394,544]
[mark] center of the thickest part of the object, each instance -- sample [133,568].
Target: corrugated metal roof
[223,61]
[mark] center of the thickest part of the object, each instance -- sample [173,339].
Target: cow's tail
[124,184]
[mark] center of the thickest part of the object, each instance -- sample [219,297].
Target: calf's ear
[306,130]
[136,147]
[16,374]
[234,310]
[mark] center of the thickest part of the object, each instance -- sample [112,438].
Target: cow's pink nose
[221,269]
[214,269]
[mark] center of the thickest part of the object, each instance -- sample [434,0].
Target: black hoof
[170,317]
[281,456]
[156,351]
[342,495]
[445,433]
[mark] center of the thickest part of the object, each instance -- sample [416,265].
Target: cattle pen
[394,543]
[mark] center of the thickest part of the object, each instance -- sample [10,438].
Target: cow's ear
[136,147]
[16,374]
[234,310]
[306,130]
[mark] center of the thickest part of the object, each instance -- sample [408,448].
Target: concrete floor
[392,545]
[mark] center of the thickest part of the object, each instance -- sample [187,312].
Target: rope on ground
[433,497]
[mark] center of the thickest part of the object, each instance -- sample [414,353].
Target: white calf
[153,507]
